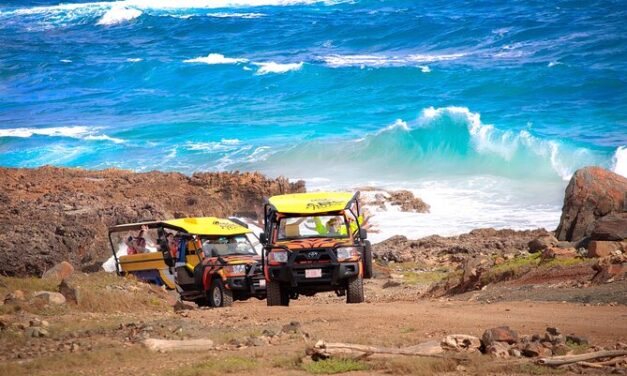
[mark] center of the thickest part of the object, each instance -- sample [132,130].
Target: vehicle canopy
[209,226]
[199,226]
[313,203]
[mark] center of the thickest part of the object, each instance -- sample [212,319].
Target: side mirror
[363,234]
[263,238]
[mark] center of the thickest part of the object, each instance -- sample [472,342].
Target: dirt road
[110,343]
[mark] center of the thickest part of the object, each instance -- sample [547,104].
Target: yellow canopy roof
[193,226]
[208,226]
[311,203]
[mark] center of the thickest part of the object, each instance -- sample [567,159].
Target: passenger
[172,244]
[138,244]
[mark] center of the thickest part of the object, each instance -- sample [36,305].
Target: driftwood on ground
[323,350]
[569,359]
[164,345]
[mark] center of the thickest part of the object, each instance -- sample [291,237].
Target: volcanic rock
[408,202]
[592,193]
[500,334]
[610,227]
[600,248]
[50,297]
[70,293]
[542,242]
[61,270]
[14,297]
[64,213]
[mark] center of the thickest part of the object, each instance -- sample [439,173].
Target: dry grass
[98,293]
[75,363]
[335,365]
[217,366]
[414,365]
[423,278]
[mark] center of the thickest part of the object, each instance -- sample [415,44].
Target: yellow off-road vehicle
[314,242]
[210,261]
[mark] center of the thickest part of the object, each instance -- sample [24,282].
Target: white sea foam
[272,67]
[78,132]
[118,14]
[458,205]
[236,15]
[554,63]
[66,61]
[104,137]
[376,61]
[213,58]
[212,147]
[134,60]
[620,161]
[95,8]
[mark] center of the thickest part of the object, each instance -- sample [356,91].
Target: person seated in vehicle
[138,244]
[333,227]
[173,244]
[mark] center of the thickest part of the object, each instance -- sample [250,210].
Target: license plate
[313,273]
[262,283]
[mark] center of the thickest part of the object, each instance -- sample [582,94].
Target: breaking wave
[272,67]
[449,141]
[376,61]
[117,15]
[215,59]
[77,132]
[116,12]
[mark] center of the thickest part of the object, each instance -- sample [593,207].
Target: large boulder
[61,271]
[592,193]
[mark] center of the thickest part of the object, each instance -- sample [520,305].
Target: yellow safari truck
[210,261]
[314,242]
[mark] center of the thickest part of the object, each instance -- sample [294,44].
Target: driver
[333,227]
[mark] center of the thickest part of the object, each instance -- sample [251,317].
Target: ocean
[483,109]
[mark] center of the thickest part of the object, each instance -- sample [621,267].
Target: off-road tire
[367,259]
[277,295]
[355,290]
[218,295]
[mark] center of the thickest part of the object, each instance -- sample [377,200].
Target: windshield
[328,226]
[227,246]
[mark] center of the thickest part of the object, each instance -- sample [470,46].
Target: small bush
[217,366]
[335,365]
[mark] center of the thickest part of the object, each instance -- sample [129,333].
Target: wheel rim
[217,296]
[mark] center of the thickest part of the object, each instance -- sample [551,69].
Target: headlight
[277,256]
[236,269]
[345,253]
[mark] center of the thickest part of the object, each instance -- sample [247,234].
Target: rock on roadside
[61,271]
[592,193]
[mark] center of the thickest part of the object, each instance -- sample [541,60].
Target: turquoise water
[393,93]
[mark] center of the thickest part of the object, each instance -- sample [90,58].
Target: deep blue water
[385,92]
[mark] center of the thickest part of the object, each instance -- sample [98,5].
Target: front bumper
[333,272]
[255,285]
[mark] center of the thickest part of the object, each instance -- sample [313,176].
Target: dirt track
[411,322]
[110,349]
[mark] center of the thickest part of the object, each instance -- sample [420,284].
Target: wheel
[277,294]
[355,290]
[367,257]
[218,295]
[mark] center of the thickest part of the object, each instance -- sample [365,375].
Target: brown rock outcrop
[592,193]
[49,214]
[435,249]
